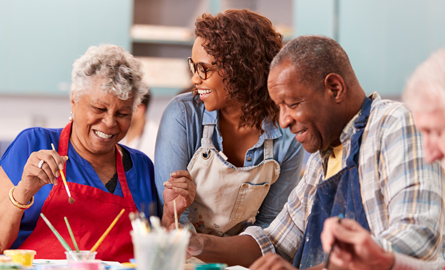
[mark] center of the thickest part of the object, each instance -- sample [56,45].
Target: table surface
[189,265]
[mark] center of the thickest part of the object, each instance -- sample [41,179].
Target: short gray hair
[112,63]
[426,84]
[315,57]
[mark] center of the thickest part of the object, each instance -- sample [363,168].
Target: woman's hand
[196,244]
[34,176]
[179,187]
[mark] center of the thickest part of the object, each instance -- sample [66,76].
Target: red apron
[91,214]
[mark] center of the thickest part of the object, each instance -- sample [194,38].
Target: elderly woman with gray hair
[102,176]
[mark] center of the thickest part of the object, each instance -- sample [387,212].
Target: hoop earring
[71,118]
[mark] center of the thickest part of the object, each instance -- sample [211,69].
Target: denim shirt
[179,137]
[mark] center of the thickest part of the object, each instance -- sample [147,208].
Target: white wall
[21,112]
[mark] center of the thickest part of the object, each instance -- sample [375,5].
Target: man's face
[432,126]
[309,113]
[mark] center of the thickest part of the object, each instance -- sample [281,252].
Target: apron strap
[360,125]
[268,149]
[207,134]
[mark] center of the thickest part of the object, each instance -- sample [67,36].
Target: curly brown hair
[243,44]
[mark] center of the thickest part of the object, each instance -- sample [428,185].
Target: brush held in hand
[70,199]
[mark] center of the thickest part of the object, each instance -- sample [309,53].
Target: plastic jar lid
[211,266]
[4,258]
[12,252]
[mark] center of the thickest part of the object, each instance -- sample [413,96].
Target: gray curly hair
[427,84]
[110,62]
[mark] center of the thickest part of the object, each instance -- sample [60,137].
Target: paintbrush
[107,231]
[176,214]
[71,234]
[70,199]
[59,237]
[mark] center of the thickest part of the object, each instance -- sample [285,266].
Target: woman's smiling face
[212,90]
[101,119]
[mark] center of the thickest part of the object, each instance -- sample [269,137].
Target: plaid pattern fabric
[403,262]
[401,194]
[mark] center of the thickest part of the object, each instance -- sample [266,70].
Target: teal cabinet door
[40,40]
[385,40]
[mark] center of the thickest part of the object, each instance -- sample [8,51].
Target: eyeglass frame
[195,68]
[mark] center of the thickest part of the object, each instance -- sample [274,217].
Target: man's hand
[355,248]
[271,261]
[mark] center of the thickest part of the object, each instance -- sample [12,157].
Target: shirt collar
[350,129]
[210,118]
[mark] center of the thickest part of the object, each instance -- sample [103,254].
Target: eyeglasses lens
[202,72]
[191,66]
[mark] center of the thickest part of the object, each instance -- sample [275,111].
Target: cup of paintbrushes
[160,250]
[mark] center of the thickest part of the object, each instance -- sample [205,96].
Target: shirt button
[249,159]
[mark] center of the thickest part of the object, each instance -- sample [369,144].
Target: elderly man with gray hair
[424,95]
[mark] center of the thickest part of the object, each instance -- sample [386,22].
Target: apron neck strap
[207,134]
[362,119]
[64,140]
[63,151]
[360,125]
[268,149]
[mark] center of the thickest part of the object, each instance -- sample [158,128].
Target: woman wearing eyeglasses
[224,138]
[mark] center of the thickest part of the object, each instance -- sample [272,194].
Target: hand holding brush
[41,168]
[355,248]
[340,216]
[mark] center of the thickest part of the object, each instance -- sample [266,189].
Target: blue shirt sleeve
[13,161]
[173,148]
[28,141]
[291,152]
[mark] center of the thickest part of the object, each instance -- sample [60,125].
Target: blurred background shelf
[165,30]
[160,34]
[188,43]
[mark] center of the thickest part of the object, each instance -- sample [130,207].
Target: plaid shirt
[401,194]
[403,262]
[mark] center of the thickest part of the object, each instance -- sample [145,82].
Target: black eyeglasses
[200,68]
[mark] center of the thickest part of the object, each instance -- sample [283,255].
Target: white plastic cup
[81,256]
[87,265]
[161,251]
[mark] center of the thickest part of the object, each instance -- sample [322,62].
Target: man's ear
[336,87]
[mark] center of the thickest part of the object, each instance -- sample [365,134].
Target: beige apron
[226,196]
